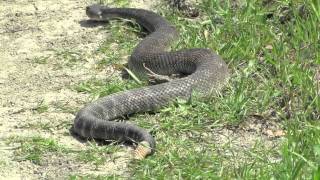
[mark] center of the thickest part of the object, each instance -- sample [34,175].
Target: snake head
[94,12]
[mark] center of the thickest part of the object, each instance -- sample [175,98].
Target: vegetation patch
[97,155]
[272,49]
[33,148]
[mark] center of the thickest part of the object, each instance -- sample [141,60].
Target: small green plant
[41,108]
[41,60]
[100,88]
[33,148]
[118,47]
[69,57]
[97,155]
[116,3]
[97,177]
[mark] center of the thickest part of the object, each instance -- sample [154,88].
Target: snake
[204,72]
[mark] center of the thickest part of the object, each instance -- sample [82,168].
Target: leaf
[133,76]
[316,175]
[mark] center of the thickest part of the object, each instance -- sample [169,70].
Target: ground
[44,51]
[47,49]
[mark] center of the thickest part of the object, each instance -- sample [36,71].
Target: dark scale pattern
[206,71]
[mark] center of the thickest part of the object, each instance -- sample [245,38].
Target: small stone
[269,47]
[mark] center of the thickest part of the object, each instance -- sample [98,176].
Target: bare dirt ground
[44,50]
[32,76]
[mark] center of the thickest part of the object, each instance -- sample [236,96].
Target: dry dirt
[44,50]
[33,76]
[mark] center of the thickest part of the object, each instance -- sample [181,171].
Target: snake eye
[99,14]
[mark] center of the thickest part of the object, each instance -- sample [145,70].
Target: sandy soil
[44,50]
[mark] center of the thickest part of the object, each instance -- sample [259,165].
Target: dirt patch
[254,135]
[45,50]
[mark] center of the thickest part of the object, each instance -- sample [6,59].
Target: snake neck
[161,32]
[148,19]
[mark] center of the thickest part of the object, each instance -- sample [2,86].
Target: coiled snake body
[206,72]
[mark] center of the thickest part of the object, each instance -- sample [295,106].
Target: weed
[272,49]
[33,148]
[41,108]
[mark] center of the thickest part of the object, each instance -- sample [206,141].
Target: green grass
[117,47]
[67,58]
[61,58]
[33,148]
[96,177]
[98,155]
[272,50]
[99,88]
[41,60]
[41,108]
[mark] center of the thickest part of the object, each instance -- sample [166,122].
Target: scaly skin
[206,72]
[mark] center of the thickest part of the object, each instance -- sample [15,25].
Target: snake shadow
[88,23]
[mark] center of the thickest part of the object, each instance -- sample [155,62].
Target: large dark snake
[205,72]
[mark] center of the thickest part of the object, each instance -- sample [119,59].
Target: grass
[96,177]
[41,107]
[96,154]
[33,148]
[279,79]
[117,47]
[272,49]
[99,88]
[41,60]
